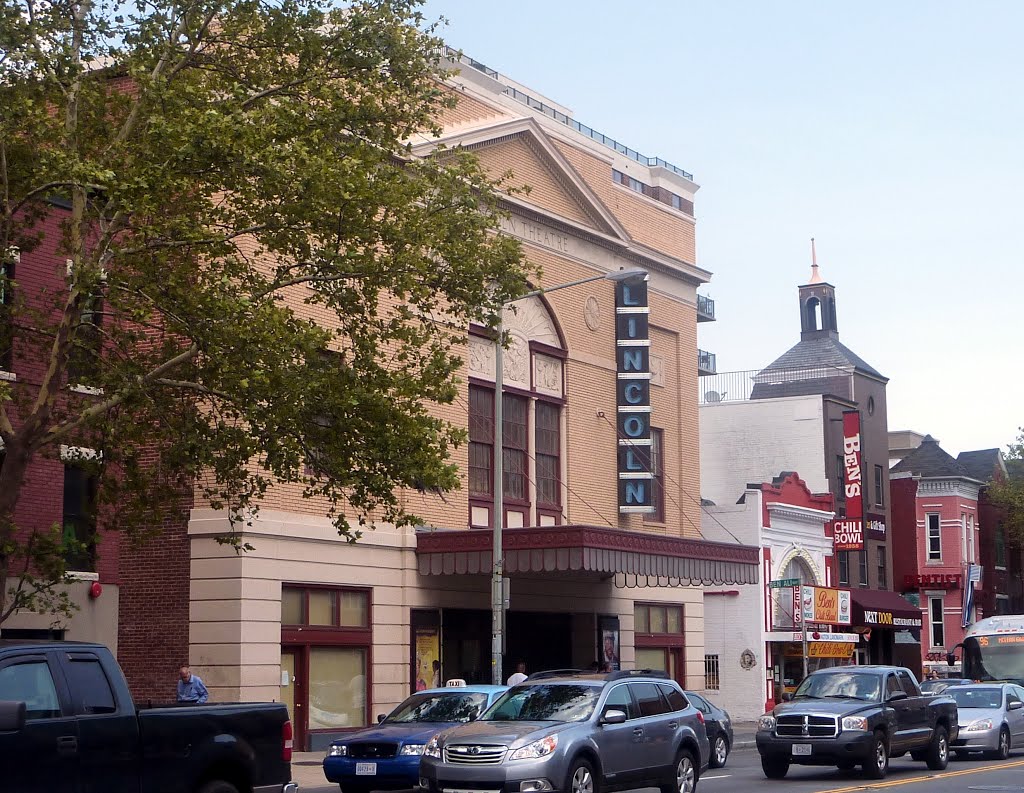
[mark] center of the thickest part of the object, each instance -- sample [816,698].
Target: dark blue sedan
[387,757]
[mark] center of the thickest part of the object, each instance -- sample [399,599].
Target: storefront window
[658,634]
[322,607]
[353,609]
[337,688]
[292,606]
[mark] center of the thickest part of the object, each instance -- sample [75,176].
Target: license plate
[801,749]
[370,769]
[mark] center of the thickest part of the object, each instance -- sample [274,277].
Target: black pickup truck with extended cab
[857,715]
[68,725]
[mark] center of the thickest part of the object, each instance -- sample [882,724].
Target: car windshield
[438,708]
[548,702]
[847,685]
[934,686]
[969,697]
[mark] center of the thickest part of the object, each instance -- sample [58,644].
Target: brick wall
[154,607]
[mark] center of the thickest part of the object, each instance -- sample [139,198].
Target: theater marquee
[633,372]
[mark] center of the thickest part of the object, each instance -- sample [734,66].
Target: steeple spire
[815,275]
[817,304]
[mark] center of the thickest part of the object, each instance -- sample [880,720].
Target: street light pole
[498,509]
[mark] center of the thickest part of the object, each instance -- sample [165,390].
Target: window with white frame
[936,623]
[934,537]
[712,678]
[963,537]
[971,556]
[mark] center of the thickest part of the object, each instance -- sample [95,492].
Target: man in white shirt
[519,676]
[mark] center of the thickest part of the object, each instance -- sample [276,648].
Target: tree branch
[99,408]
[199,387]
[49,185]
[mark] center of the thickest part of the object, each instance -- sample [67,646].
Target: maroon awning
[878,608]
[631,554]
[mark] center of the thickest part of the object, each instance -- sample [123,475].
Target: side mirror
[787,696]
[613,716]
[12,716]
[895,695]
[951,659]
[1015,705]
[381,717]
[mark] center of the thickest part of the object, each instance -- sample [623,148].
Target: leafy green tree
[1009,492]
[263,284]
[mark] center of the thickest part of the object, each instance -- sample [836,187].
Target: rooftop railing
[767,384]
[558,115]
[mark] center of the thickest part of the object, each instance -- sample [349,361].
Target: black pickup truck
[68,725]
[857,715]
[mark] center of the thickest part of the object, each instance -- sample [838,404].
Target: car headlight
[856,723]
[433,748]
[979,725]
[412,749]
[337,750]
[537,749]
[766,722]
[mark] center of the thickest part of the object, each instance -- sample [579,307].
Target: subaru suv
[574,732]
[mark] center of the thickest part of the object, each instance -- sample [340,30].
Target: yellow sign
[830,650]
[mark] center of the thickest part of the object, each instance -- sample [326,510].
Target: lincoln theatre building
[602,552]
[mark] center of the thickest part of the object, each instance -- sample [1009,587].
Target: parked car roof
[469,688]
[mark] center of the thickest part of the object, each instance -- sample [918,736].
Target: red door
[293,692]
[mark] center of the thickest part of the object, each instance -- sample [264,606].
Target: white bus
[993,649]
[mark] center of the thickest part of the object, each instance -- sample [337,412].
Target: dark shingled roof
[980,464]
[929,460]
[822,351]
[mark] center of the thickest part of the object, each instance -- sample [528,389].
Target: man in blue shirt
[191,688]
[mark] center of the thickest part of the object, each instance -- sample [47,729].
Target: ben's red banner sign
[848,532]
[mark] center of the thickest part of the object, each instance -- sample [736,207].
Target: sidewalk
[308,771]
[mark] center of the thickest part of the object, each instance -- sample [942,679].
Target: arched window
[812,309]
[532,433]
[797,567]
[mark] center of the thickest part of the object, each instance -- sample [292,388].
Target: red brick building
[935,537]
[58,488]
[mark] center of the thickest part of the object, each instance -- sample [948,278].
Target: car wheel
[719,751]
[775,767]
[1003,747]
[877,765]
[684,779]
[938,752]
[581,778]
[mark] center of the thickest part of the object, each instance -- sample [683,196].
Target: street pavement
[742,774]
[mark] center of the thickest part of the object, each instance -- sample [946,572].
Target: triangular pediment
[521,147]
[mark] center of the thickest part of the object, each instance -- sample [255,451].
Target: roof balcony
[705,309]
[706,363]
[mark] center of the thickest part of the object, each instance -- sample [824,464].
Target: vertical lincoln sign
[633,386]
[848,532]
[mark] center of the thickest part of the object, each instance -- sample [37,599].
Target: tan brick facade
[575,223]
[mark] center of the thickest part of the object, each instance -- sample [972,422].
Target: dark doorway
[542,640]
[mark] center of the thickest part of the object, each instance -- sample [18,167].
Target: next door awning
[877,608]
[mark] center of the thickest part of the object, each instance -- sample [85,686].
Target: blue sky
[893,133]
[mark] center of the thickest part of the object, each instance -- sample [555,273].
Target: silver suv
[576,733]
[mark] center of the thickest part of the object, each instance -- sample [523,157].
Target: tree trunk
[12,476]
